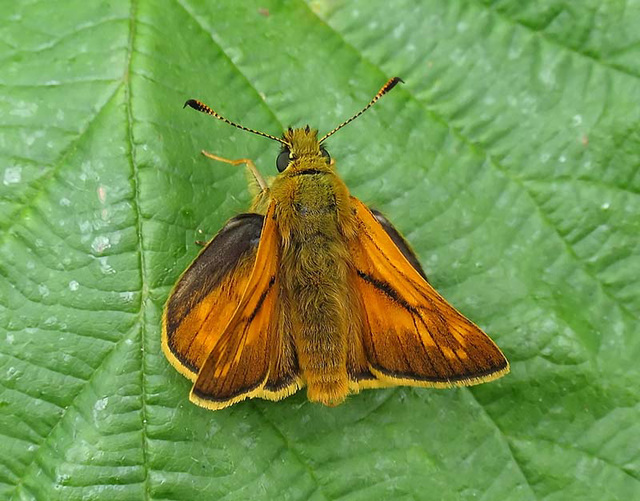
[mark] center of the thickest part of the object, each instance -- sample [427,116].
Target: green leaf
[510,159]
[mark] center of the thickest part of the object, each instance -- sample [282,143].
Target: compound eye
[325,154]
[283,160]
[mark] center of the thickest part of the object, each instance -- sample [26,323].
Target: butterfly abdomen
[314,271]
[316,282]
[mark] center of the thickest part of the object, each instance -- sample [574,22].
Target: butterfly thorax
[311,200]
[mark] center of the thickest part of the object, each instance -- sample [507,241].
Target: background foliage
[510,159]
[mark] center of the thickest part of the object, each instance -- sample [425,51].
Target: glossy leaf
[509,159]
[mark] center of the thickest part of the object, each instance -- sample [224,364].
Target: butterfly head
[301,145]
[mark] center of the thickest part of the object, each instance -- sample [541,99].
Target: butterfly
[311,288]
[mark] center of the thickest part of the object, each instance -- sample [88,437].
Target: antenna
[199,106]
[385,88]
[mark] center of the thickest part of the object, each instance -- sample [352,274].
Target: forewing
[410,334]
[251,358]
[208,293]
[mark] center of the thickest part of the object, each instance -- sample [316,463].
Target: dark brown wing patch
[400,242]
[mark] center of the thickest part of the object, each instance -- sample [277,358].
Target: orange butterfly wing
[253,356]
[410,334]
[207,294]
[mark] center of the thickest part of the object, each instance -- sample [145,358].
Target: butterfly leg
[249,163]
